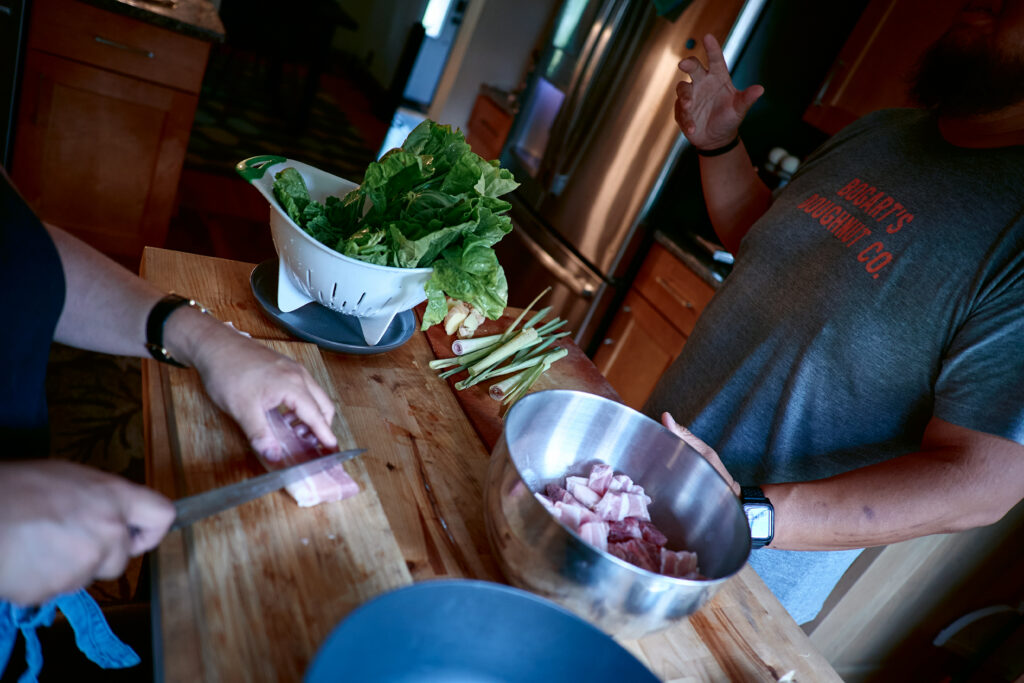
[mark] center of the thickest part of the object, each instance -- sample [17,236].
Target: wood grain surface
[268,580]
[245,592]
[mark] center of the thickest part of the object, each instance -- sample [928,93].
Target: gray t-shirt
[884,285]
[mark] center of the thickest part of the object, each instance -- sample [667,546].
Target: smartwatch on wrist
[760,516]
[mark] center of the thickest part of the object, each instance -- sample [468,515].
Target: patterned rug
[95,403]
[249,106]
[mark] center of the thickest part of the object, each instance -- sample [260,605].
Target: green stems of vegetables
[522,355]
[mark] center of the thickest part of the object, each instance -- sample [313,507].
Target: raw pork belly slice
[681,564]
[600,478]
[300,445]
[617,505]
[570,512]
[595,533]
[556,493]
[609,512]
[580,491]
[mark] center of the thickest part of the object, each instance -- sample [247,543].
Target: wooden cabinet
[872,69]
[488,127]
[650,329]
[106,109]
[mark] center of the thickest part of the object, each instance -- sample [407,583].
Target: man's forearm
[734,194]
[941,490]
[106,305]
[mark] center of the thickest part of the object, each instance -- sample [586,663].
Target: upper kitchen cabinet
[106,108]
[873,68]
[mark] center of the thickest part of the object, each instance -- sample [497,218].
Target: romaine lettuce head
[430,203]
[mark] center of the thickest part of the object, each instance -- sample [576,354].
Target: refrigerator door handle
[582,77]
[573,138]
[578,286]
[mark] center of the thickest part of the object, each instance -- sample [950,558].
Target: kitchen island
[251,593]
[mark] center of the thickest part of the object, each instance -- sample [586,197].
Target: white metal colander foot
[375,327]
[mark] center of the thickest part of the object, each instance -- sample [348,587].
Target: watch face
[760,518]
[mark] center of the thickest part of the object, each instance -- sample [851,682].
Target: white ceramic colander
[311,271]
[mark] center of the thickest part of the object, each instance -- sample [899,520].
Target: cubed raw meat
[651,533]
[624,530]
[582,492]
[600,477]
[617,505]
[595,533]
[681,564]
[640,553]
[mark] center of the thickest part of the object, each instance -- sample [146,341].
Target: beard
[958,78]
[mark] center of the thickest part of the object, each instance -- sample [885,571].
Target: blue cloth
[92,633]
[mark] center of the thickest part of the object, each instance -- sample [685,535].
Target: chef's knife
[193,508]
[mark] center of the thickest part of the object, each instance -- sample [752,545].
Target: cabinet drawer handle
[121,46]
[674,293]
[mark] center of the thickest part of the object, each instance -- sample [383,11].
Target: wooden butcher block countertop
[251,593]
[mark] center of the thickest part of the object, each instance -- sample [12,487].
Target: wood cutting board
[269,580]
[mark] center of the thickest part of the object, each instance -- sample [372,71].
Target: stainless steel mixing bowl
[551,434]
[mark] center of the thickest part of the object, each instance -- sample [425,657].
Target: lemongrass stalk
[498,370]
[532,360]
[543,359]
[500,389]
[442,363]
[524,385]
[533,351]
[464,359]
[538,316]
[508,333]
[464,346]
[524,338]
[549,327]
[533,375]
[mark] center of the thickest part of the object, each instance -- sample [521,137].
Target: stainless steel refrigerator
[593,143]
[13,25]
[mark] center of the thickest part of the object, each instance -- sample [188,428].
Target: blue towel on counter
[92,633]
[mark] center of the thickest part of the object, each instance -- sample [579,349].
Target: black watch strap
[155,326]
[752,494]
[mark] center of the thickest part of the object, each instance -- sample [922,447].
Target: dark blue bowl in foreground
[461,630]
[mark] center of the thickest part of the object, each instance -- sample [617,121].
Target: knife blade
[193,508]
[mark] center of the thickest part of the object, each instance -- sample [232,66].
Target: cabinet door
[488,127]
[639,347]
[99,154]
[872,69]
[677,292]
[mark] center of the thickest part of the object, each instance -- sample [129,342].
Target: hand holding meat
[246,380]
[62,525]
[709,109]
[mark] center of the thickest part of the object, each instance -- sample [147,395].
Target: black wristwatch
[760,516]
[155,326]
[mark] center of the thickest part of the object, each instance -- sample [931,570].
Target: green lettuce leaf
[430,203]
[290,189]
